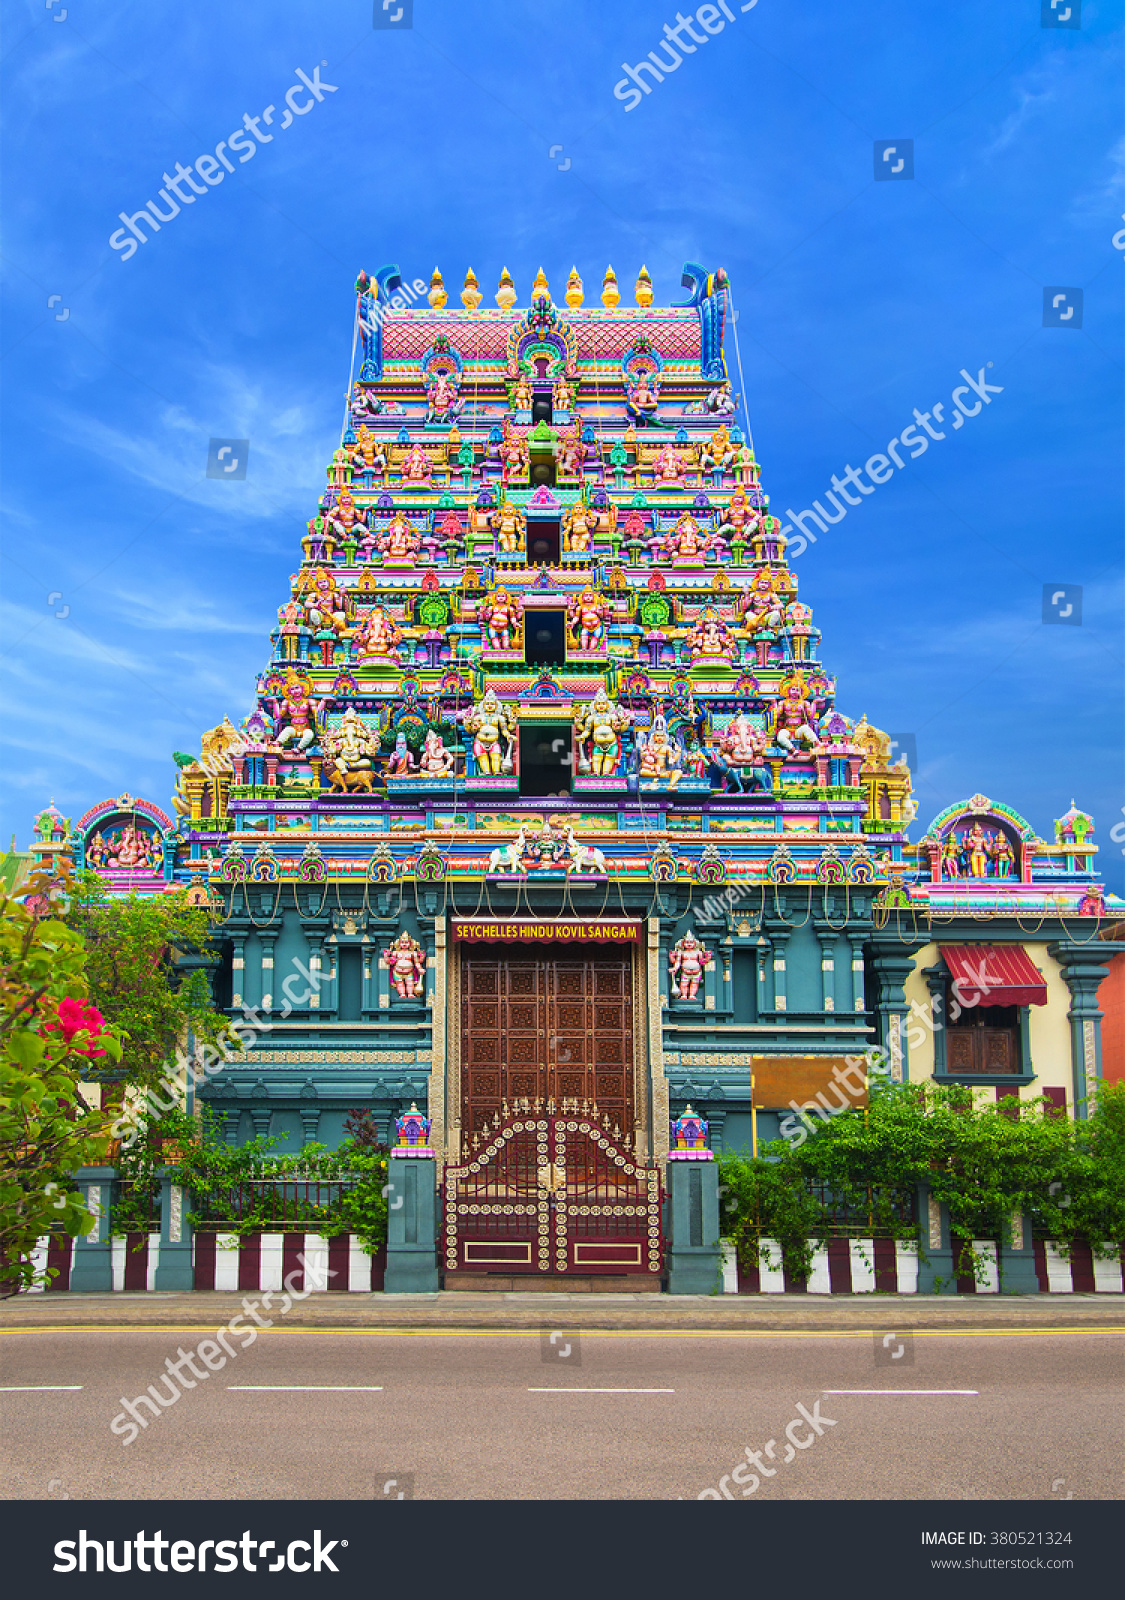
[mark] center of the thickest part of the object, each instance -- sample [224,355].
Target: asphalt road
[356,1414]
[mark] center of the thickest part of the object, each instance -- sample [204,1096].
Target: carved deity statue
[415,465]
[658,757]
[794,716]
[598,726]
[586,616]
[295,719]
[377,637]
[688,960]
[435,760]
[325,602]
[494,731]
[578,525]
[502,614]
[406,961]
[687,539]
[718,453]
[762,606]
[399,541]
[510,524]
[711,638]
[522,395]
[351,744]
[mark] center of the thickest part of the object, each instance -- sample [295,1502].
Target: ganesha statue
[710,639]
[688,960]
[687,540]
[351,744]
[442,400]
[406,962]
[598,727]
[399,542]
[435,761]
[377,637]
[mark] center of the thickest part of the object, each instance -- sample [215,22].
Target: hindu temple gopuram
[544,812]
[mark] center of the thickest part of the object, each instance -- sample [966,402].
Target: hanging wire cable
[741,379]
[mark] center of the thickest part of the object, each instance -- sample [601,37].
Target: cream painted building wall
[1049,1025]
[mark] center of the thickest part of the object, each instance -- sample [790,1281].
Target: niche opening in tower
[543,544]
[545,633]
[545,750]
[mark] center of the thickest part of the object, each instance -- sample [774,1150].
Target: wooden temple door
[549,1180]
[546,1025]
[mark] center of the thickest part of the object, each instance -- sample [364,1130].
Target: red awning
[995,975]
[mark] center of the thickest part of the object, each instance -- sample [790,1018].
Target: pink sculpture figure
[407,963]
[711,639]
[587,615]
[793,717]
[688,960]
[501,614]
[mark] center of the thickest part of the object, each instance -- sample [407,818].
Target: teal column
[1083,970]
[1016,1257]
[892,967]
[935,1245]
[693,1245]
[175,1269]
[92,1269]
[411,1226]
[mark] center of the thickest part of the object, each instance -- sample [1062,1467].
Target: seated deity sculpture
[351,744]
[325,602]
[415,465]
[365,403]
[400,762]
[687,539]
[295,715]
[658,757]
[718,454]
[598,726]
[587,615]
[740,755]
[720,401]
[762,607]
[377,637]
[494,731]
[435,760]
[668,466]
[794,718]
[501,613]
[399,541]
[341,518]
[711,638]
[442,400]
[739,520]
[644,397]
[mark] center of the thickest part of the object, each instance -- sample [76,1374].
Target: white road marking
[36,1388]
[601,1391]
[900,1391]
[305,1388]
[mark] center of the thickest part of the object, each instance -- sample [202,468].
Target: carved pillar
[268,942]
[435,1107]
[238,968]
[658,1081]
[859,1002]
[892,966]
[827,941]
[1083,968]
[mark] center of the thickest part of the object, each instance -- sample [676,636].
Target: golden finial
[437,295]
[643,290]
[574,292]
[540,285]
[506,292]
[611,294]
[471,296]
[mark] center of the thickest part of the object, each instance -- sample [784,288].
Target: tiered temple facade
[545,795]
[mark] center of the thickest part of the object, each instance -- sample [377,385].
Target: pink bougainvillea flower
[75,1018]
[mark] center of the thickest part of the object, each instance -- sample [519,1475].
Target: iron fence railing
[272,1204]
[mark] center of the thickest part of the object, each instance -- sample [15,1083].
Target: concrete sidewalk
[628,1313]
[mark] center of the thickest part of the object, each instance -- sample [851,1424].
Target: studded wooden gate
[549,1191]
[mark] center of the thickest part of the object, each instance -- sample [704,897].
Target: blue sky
[138,593]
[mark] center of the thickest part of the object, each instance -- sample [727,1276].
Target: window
[545,638]
[545,753]
[984,1040]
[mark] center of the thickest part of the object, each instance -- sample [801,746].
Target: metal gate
[550,1190]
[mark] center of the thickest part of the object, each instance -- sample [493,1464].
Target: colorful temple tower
[546,799]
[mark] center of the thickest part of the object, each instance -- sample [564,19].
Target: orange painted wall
[1111,1000]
